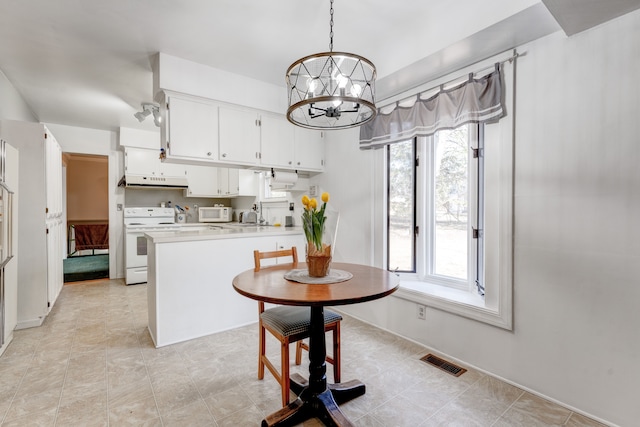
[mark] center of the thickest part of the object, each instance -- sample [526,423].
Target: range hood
[150,182]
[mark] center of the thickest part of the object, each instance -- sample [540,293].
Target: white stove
[137,221]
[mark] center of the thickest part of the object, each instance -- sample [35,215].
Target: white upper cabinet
[207,181]
[190,132]
[140,161]
[248,182]
[203,181]
[286,146]
[308,149]
[198,131]
[228,181]
[277,141]
[239,134]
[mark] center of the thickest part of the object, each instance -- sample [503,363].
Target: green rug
[88,267]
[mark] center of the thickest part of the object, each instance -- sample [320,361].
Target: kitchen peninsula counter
[189,291]
[202,231]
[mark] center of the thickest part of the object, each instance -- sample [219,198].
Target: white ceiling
[87,63]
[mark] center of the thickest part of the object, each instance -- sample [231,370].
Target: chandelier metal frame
[331,90]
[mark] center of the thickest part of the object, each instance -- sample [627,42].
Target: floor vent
[448,367]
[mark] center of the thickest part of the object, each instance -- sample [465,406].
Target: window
[401,236]
[434,208]
[444,218]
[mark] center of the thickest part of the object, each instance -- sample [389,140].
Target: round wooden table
[316,398]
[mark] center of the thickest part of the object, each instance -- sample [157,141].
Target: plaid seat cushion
[289,320]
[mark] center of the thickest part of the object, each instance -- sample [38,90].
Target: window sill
[462,303]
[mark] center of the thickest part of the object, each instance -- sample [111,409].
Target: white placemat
[302,276]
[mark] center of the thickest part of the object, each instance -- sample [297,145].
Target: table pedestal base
[311,405]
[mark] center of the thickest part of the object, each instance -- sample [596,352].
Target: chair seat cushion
[289,320]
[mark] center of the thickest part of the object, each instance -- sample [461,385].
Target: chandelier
[331,90]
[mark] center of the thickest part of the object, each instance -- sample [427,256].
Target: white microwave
[214,214]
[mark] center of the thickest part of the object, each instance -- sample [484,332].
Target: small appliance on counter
[288,221]
[215,214]
[181,214]
[248,217]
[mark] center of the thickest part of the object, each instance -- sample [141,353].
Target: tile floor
[92,363]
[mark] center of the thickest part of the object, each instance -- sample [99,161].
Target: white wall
[212,83]
[12,105]
[104,143]
[576,285]
[349,182]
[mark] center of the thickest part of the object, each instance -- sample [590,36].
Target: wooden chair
[291,324]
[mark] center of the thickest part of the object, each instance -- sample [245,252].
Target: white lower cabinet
[189,290]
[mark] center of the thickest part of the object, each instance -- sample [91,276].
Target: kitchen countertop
[211,231]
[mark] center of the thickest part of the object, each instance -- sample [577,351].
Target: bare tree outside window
[401,206]
[451,203]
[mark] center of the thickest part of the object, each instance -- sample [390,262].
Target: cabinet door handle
[291,162]
[224,154]
[209,153]
[298,163]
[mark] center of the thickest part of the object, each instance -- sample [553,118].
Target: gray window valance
[474,101]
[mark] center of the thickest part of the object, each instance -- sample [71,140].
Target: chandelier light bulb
[342,81]
[312,84]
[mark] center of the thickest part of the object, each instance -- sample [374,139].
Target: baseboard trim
[7,341]
[448,356]
[32,323]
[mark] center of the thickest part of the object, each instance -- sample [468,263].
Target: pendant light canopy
[331,90]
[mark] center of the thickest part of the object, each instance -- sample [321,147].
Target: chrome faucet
[261,220]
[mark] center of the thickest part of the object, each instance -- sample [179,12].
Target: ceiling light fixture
[331,90]
[149,108]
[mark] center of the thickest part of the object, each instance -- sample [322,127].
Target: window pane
[451,203]
[401,235]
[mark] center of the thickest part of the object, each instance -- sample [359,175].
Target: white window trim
[497,307]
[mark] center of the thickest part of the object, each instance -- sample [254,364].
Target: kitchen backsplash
[274,210]
[145,198]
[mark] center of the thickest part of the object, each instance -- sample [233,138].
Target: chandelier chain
[331,27]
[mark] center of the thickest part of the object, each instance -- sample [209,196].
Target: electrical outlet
[421,309]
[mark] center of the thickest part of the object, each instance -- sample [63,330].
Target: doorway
[86,215]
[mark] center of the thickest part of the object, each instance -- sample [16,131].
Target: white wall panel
[576,243]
